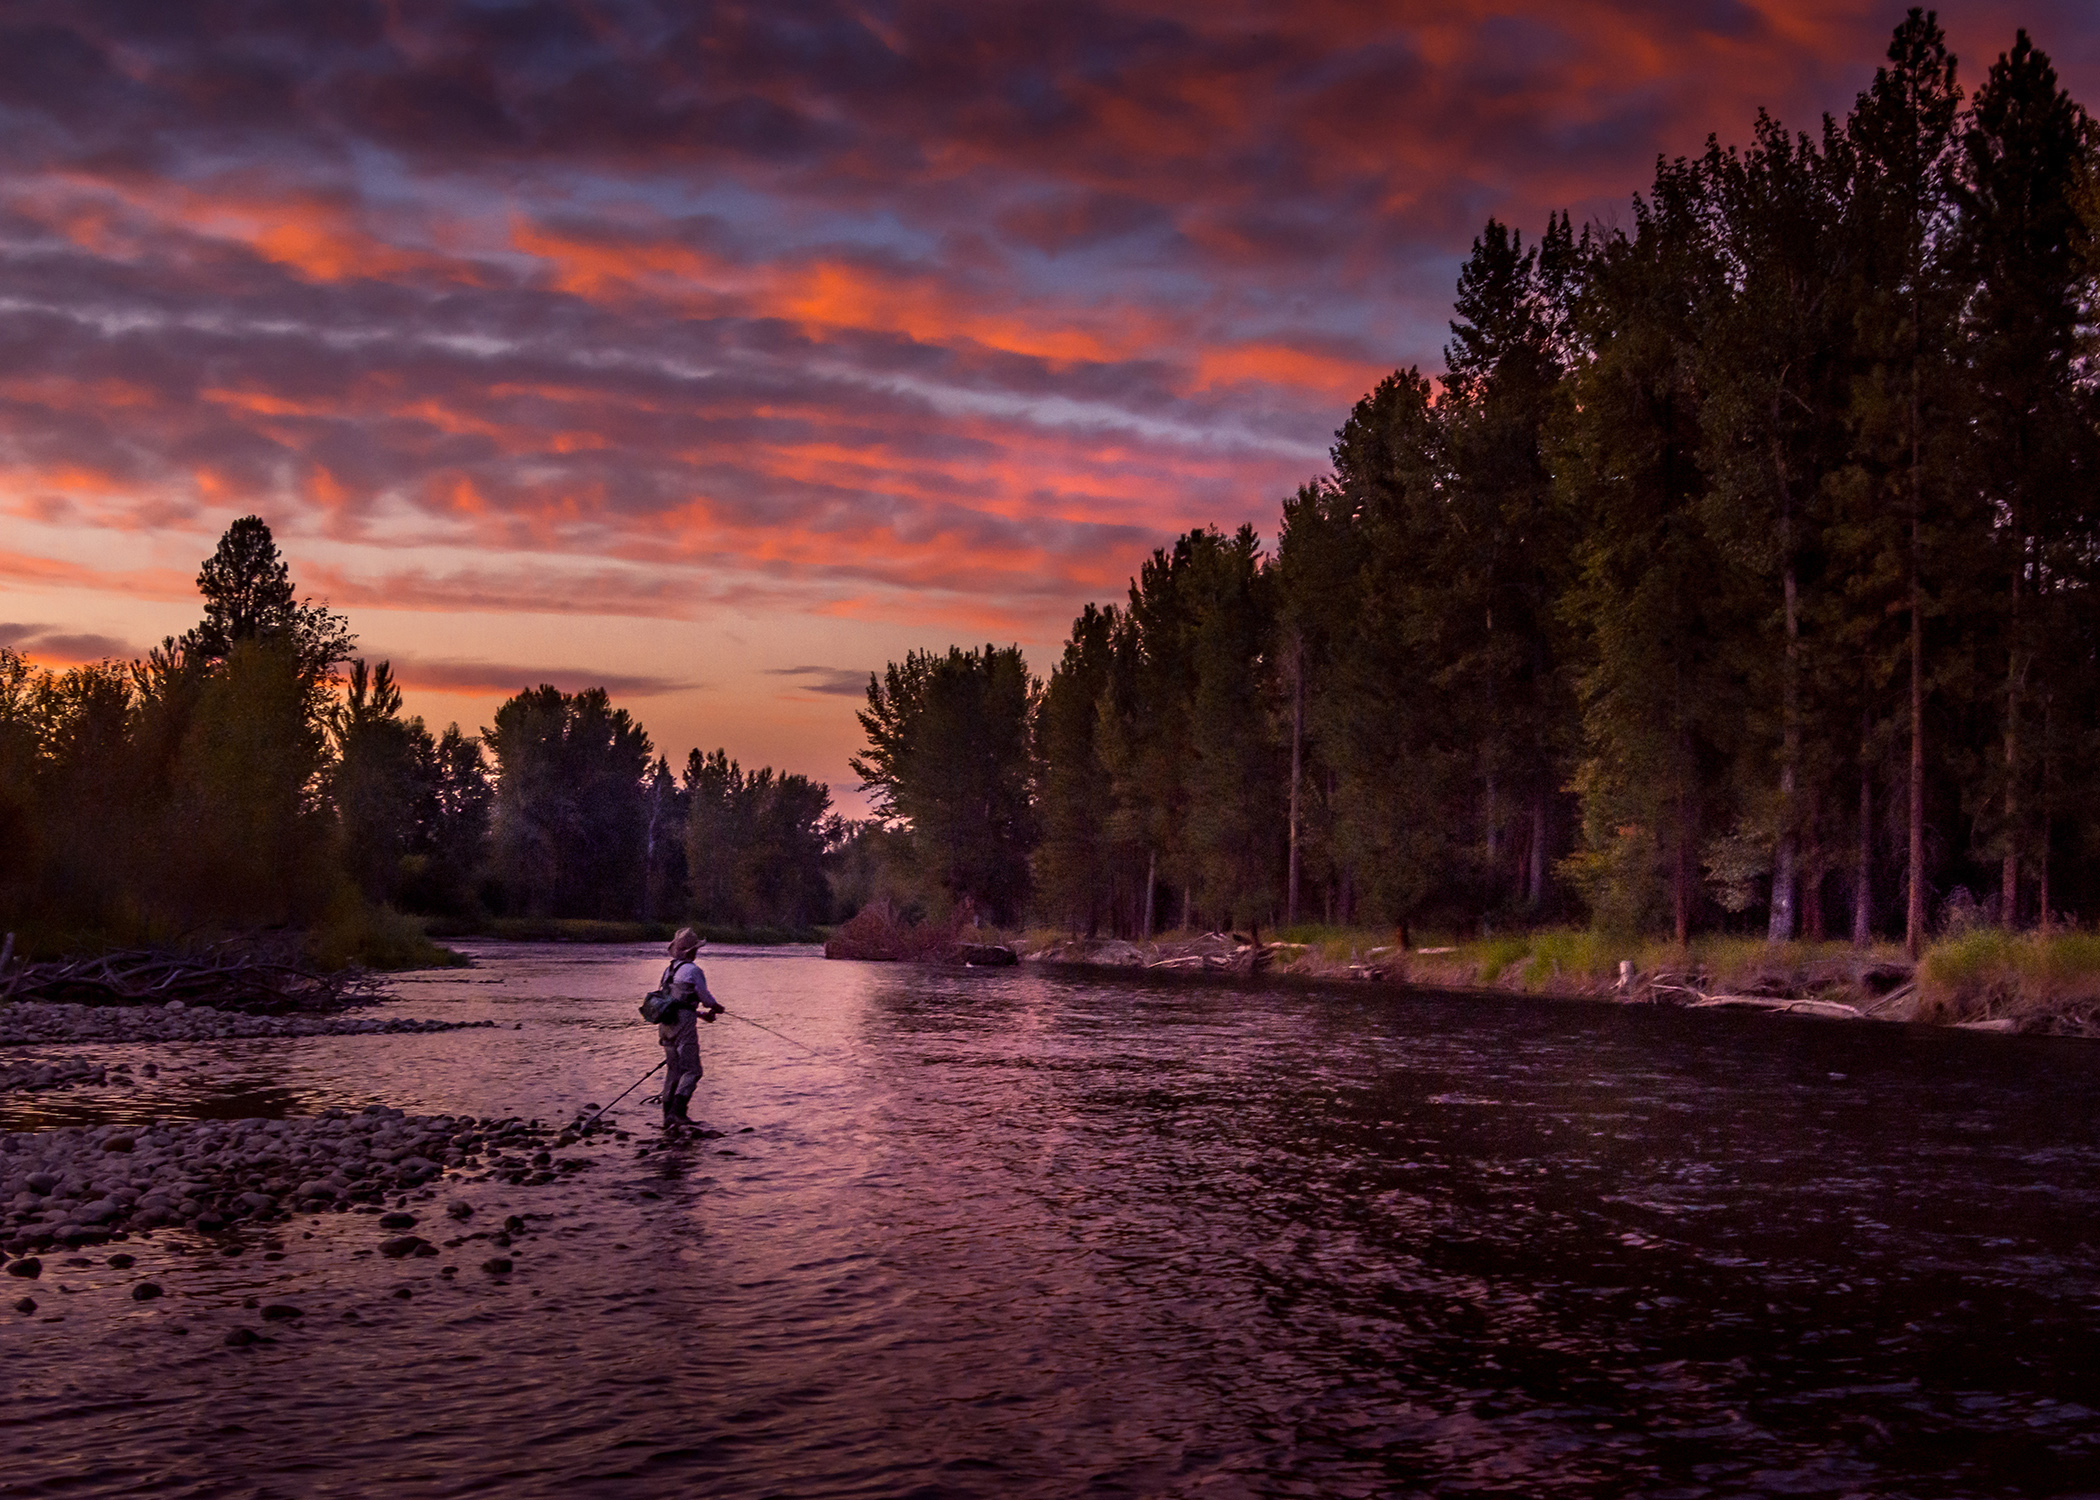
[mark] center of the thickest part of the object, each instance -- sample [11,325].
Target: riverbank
[1987,980]
[589,930]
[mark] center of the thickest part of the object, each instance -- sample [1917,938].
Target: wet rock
[121,1262]
[514,1225]
[397,1221]
[497,1265]
[25,1305]
[241,1338]
[282,1312]
[119,1143]
[146,1291]
[29,1267]
[459,1208]
[403,1293]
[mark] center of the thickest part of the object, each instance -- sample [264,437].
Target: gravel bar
[79,1186]
[26,1023]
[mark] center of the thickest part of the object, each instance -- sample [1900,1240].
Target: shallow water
[1023,1234]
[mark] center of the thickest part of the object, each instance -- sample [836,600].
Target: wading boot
[678,1107]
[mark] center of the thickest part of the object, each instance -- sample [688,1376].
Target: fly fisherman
[679,1031]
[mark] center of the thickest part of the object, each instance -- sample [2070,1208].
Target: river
[1025,1233]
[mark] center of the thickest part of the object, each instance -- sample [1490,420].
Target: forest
[251,775]
[1735,575]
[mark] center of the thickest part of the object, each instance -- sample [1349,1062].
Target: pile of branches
[242,981]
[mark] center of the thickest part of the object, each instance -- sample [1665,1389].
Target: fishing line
[813,1052]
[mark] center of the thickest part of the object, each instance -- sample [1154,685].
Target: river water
[1016,1233]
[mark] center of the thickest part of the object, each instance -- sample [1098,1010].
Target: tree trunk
[1914,906]
[1862,878]
[1780,927]
[1151,883]
[1681,884]
[1297,768]
[2048,814]
[1812,881]
[1914,909]
[1535,896]
[2009,873]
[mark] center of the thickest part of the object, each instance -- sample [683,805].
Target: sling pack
[661,1003]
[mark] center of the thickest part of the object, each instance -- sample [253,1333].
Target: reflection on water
[1019,1234]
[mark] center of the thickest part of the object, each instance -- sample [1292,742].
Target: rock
[146,1291]
[460,1209]
[497,1265]
[121,1262]
[41,1183]
[406,1245]
[513,1225]
[210,1222]
[119,1143]
[281,1312]
[397,1221]
[173,1007]
[241,1338]
[29,1267]
[403,1293]
[25,1305]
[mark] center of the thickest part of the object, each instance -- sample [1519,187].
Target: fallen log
[221,980]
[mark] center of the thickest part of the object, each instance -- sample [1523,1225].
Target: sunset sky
[718,354]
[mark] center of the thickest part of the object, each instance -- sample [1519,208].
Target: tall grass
[1993,974]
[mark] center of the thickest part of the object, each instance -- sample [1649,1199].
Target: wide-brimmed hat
[686,941]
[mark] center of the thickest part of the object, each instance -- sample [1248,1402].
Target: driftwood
[222,980]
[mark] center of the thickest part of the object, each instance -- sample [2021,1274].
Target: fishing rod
[600,1116]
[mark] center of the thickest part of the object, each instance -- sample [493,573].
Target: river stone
[146,1291]
[241,1338]
[121,1262]
[397,1221]
[497,1265]
[29,1267]
[119,1143]
[460,1209]
[406,1245]
[281,1312]
[25,1306]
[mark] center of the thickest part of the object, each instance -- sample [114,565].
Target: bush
[354,931]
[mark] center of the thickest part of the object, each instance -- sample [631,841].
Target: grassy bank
[2037,983]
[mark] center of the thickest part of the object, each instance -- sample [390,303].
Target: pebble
[146,1291]
[281,1312]
[68,1187]
[29,1267]
[241,1338]
[33,1074]
[27,1023]
[25,1306]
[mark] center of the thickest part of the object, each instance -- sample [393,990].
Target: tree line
[1737,573]
[252,774]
